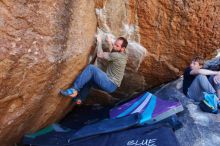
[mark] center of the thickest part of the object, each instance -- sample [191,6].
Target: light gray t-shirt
[116,67]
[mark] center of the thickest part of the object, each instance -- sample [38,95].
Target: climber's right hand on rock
[99,39]
[109,39]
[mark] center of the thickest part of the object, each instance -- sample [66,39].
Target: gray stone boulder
[199,128]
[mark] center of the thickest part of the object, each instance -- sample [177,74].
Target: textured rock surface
[44,45]
[175,31]
[171,31]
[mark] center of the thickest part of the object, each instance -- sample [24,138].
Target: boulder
[172,32]
[43,46]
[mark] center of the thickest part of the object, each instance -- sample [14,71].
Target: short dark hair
[125,42]
[199,59]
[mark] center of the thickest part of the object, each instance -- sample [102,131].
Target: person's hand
[217,79]
[109,39]
[99,39]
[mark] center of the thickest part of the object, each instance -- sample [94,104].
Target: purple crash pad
[147,103]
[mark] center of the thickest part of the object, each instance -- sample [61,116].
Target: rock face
[174,32]
[171,31]
[45,44]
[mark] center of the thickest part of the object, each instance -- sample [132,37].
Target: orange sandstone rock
[43,46]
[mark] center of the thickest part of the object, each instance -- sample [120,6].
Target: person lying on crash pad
[195,80]
[92,76]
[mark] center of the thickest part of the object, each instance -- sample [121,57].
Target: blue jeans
[202,84]
[92,76]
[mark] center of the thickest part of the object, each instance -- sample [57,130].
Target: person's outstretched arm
[109,41]
[204,72]
[100,53]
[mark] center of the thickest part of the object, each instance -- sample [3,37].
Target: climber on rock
[92,76]
[195,80]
